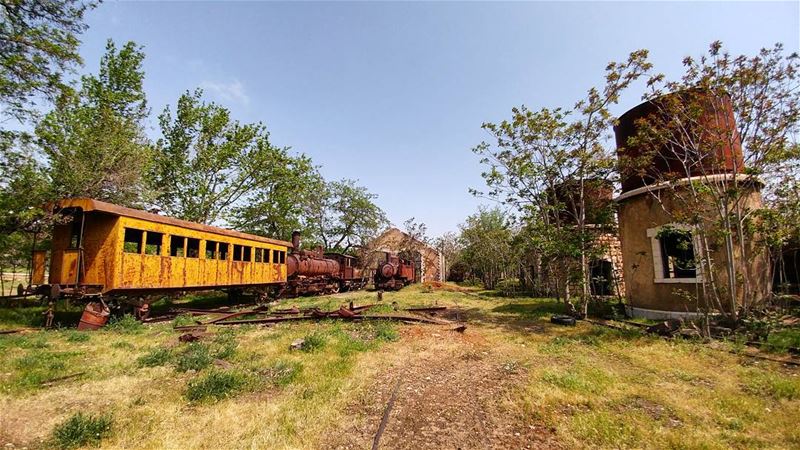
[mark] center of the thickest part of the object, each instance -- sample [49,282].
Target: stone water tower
[660,253]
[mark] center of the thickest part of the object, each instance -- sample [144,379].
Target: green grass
[81,430]
[215,385]
[36,367]
[781,341]
[158,356]
[314,342]
[124,324]
[774,385]
[196,356]
[284,372]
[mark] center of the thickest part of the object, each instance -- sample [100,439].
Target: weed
[284,372]
[182,320]
[226,344]
[605,429]
[123,345]
[589,381]
[773,385]
[215,385]
[81,430]
[37,367]
[781,341]
[158,356]
[77,336]
[386,331]
[124,324]
[196,357]
[37,340]
[313,342]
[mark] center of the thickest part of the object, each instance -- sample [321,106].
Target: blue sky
[394,94]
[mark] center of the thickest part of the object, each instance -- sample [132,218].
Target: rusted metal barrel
[94,316]
[298,264]
[702,119]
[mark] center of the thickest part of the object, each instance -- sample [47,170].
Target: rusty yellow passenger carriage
[105,250]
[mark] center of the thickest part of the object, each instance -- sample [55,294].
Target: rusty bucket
[95,316]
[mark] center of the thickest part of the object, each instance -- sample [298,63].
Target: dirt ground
[454,393]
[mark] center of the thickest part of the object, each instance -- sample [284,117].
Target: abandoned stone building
[659,253]
[428,260]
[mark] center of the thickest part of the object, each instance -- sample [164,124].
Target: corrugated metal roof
[89,204]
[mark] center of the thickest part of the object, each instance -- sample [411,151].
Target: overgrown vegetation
[215,385]
[592,385]
[82,430]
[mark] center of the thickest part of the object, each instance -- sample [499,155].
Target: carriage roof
[88,204]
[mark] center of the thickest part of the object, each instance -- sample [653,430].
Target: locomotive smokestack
[296,241]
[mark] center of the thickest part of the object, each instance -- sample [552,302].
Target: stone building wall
[431,261]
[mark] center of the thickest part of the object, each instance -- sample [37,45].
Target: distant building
[429,261]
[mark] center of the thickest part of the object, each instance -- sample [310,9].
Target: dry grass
[548,385]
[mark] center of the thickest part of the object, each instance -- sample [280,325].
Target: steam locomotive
[394,272]
[312,272]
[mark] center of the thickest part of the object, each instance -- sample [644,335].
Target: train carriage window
[192,248]
[132,243]
[211,249]
[154,243]
[177,246]
[278,257]
[224,248]
[246,255]
[237,252]
[75,230]
[275,257]
[283,257]
[259,254]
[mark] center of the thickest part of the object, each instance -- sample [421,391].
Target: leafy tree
[344,215]
[551,164]
[276,207]
[206,163]
[763,94]
[94,141]
[486,241]
[38,44]
[450,247]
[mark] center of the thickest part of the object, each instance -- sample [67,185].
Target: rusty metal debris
[62,378]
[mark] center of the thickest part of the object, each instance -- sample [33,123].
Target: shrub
[81,430]
[215,385]
[195,357]
[158,356]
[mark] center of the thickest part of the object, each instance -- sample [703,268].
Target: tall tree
[206,162]
[486,240]
[344,215]
[450,247]
[38,44]
[276,207]
[550,163]
[94,140]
